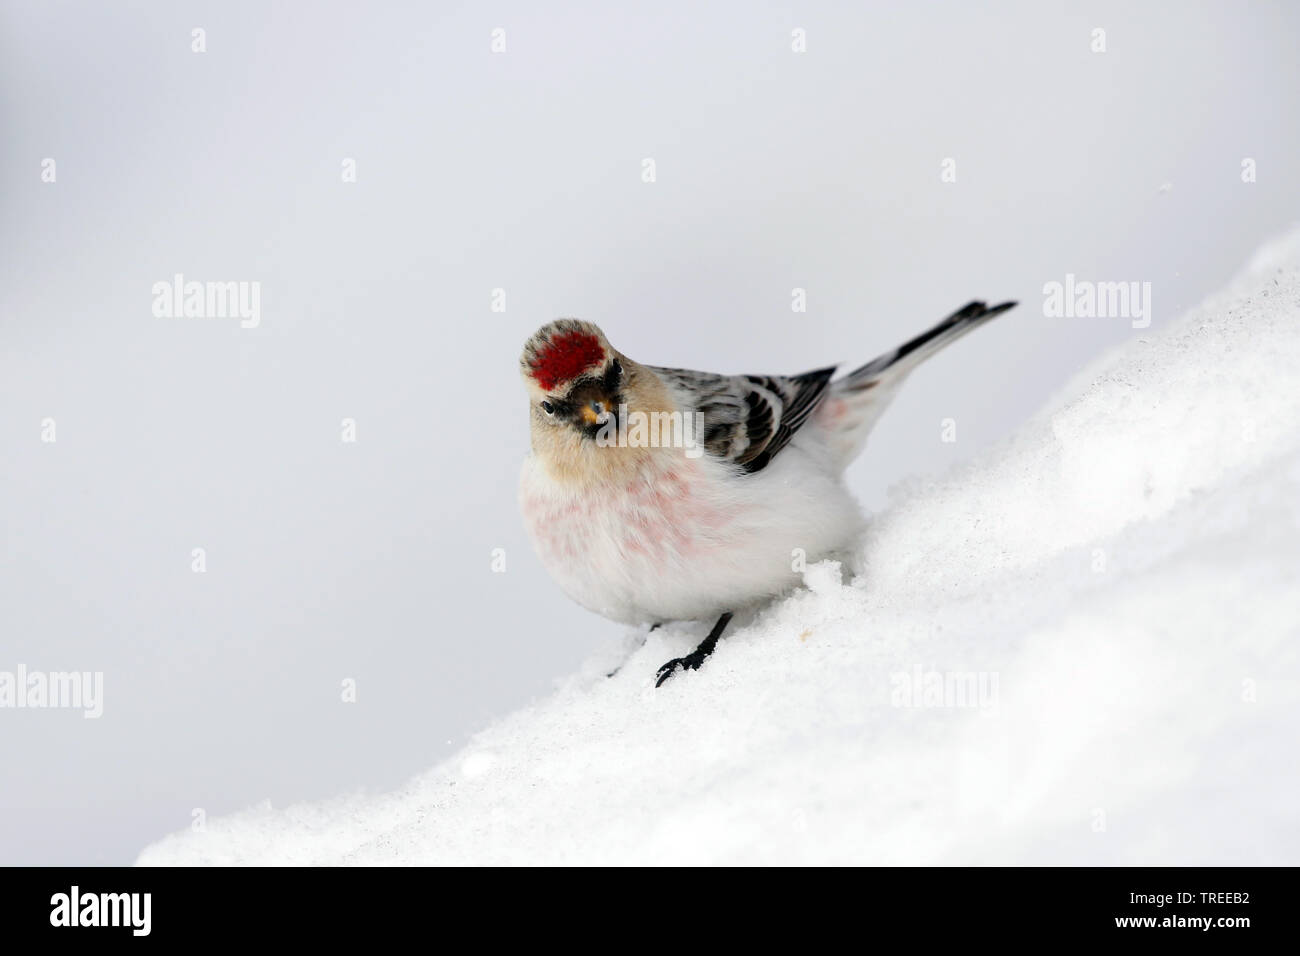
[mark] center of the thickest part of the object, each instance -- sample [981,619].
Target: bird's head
[575,379]
[578,387]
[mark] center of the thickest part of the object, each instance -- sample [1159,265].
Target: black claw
[689,662]
[695,658]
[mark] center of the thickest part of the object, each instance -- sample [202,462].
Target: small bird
[660,494]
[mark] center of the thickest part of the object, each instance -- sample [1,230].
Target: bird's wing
[748,419]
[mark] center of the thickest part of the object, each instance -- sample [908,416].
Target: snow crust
[1081,648]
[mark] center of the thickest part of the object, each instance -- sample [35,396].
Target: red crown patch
[566,356]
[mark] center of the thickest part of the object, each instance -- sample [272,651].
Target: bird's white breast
[684,538]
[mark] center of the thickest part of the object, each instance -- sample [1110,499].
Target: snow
[1078,649]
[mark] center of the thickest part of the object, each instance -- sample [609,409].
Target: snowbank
[1081,648]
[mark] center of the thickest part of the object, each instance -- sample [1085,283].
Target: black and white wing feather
[748,419]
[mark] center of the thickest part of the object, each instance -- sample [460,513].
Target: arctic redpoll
[656,494]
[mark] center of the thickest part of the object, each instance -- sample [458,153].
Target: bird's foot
[690,662]
[693,660]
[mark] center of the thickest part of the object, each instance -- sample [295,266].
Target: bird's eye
[548,408]
[618,368]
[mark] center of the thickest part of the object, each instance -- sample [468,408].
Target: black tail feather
[956,325]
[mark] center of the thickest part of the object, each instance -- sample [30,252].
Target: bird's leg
[653,627]
[695,658]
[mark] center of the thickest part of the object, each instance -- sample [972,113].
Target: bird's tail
[910,354]
[858,399]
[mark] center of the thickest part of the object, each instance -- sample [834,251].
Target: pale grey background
[519,170]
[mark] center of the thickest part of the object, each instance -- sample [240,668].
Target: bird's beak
[595,413]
